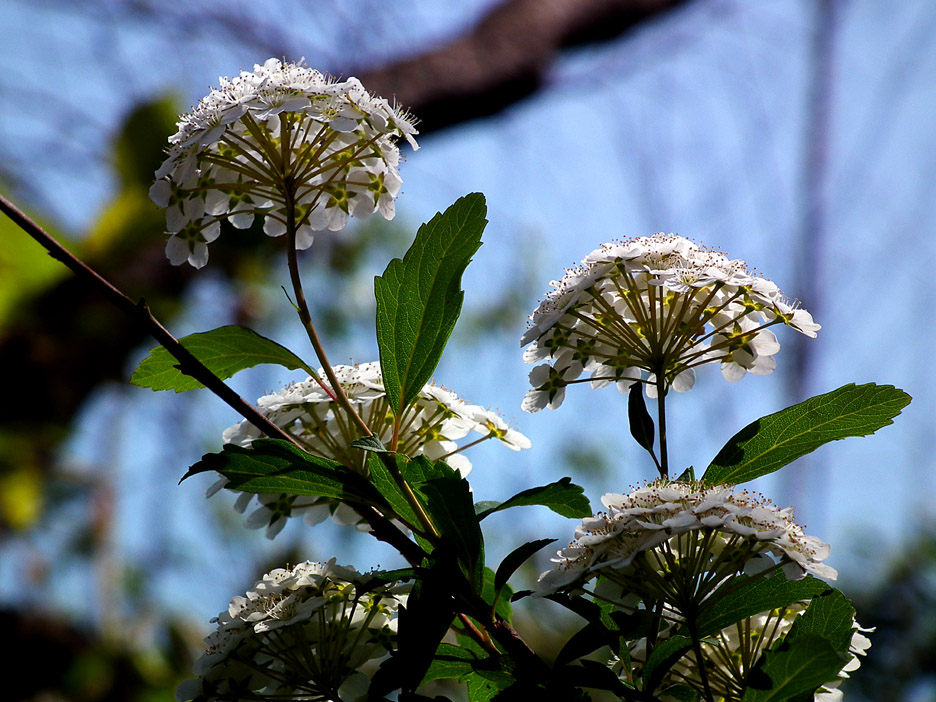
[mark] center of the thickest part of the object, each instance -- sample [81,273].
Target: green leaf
[771,442]
[498,597]
[419,298]
[794,668]
[662,658]
[829,615]
[450,661]
[486,686]
[420,470]
[481,689]
[225,351]
[417,472]
[515,559]
[563,497]
[681,693]
[687,476]
[448,503]
[593,675]
[758,594]
[586,640]
[274,466]
[389,488]
[423,621]
[369,443]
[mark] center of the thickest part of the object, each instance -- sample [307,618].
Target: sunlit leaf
[794,668]
[224,351]
[419,297]
[773,441]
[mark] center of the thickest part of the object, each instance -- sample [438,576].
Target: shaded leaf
[274,466]
[382,478]
[758,594]
[681,693]
[661,659]
[687,476]
[641,424]
[423,621]
[773,441]
[594,675]
[450,661]
[224,351]
[498,597]
[515,559]
[419,298]
[586,640]
[448,503]
[563,497]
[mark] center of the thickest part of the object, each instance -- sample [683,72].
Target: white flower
[433,425]
[664,523]
[281,134]
[299,633]
[549,384]
[652,307]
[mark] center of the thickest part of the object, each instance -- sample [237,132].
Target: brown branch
[382,528]
[504,58]
[139,312]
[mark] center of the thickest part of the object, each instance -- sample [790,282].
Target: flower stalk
[306,319]
[663,465]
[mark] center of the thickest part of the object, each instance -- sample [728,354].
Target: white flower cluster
[714,531]
[299,633]
[654,305]
[730,655]
[431,426]
[281,137]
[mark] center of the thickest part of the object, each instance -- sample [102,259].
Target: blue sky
[695,125]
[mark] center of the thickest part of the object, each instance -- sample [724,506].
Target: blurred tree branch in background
[505,58]
[500,61]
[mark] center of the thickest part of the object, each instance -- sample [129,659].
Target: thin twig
[140,312]
[382,528]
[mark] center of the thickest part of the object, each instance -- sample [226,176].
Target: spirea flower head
[284,142]
[654,306]
[676,542]
[299,633]
[730,656]
[431,426]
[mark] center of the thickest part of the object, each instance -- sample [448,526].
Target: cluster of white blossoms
[285,142]
[676,541]
[431,426]
[649,306]
[299,633]
[731,654]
